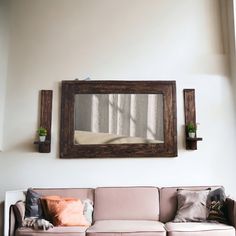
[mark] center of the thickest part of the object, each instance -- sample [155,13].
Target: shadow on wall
[1,217]
[24,146]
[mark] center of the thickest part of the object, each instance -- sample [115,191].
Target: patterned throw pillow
[217,206]
[217,212]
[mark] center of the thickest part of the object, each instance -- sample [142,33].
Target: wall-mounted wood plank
[190,117]
[46,119]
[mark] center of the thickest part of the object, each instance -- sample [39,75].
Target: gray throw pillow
[33,206]
[191,205]
[216,195]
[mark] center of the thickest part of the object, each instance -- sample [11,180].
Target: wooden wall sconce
[190,117]
[45,120]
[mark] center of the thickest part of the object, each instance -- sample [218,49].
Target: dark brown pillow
[217,212]
[217,206]
[231,211]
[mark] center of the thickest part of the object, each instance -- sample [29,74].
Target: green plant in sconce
[191,128]
[42,131]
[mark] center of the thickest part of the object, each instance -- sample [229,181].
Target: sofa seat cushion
[199,229]
[62,231]
[126,227]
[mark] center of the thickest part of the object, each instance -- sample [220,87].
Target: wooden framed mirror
[101,119]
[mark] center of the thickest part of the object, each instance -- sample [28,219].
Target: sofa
[129,211]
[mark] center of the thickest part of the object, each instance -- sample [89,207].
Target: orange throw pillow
[65,211]
[45,203]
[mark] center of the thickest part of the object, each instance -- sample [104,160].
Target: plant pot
[42,138]
[191,135]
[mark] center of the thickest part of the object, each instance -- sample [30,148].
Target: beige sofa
[129,211]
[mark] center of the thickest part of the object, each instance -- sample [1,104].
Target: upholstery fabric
[168,201]
[126,227]
[128,234]
[62,231]
[81,193]
[19,210]
[191,205]
[199,229]
[126,203]
[12,221]
[231,210]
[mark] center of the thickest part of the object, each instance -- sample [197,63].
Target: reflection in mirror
[118,118]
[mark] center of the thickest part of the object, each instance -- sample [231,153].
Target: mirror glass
[118,118]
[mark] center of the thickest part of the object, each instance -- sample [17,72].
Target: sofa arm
[17,215]
[12,222]
[231,211]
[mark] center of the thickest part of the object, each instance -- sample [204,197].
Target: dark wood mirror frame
[70,88]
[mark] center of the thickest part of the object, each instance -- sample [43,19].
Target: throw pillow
[191,205]
[45,203]
[33,207]
[217,212]
[88,210]
[217,206]
[216,195]
[66,211]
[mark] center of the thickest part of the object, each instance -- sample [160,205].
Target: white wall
[231,7]
[54,40]
[3,60]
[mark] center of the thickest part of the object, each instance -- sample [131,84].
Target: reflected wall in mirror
[118,119]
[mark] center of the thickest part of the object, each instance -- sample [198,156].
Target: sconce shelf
[194,139]
[45,142]
[190,117]
[44,147]
[45,120]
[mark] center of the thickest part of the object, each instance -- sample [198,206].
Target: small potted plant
[191,128]
[42,132]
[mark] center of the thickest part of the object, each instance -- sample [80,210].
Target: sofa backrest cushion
[126,203]
[81,193]
[168,201]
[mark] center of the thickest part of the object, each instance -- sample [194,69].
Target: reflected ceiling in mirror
[118,118]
